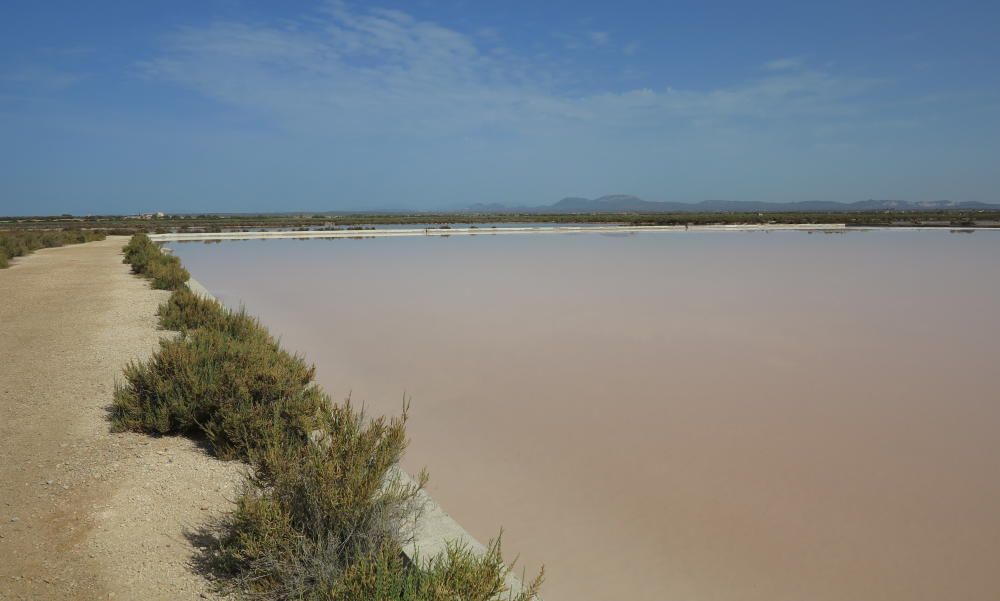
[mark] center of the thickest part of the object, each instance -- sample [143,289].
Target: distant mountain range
[622,203]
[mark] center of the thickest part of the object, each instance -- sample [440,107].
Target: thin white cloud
[631,48]
[385,72]
[42,77]
[784,64]
[601,38]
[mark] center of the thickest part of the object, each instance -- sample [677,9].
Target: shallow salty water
[695,416]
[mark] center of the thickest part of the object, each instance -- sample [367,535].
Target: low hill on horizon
[623,203]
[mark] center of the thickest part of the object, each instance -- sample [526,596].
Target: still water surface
[696,416]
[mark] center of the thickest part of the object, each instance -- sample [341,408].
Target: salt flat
[700,415]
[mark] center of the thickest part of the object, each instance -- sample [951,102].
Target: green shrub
[139,252]
[325,520]
[229,389]
[167,273]
[312,510]
[147,259]
[17,243]
[185,310]
[458,573]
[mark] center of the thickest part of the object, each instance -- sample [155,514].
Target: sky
[230,105]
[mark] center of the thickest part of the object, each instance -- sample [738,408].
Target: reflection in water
[732,416]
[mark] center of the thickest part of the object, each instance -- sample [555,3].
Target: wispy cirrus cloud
[385,72]
[601,38]
[43,77]
[784,64]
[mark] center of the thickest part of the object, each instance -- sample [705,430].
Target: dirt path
[86,514]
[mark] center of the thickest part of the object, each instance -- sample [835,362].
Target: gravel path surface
[84,513]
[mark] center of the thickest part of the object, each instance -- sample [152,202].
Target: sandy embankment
[86,514]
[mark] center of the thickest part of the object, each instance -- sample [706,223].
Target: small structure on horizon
[156,215]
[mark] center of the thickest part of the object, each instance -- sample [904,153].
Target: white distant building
[156,215]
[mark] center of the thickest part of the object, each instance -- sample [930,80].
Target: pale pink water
[692,416]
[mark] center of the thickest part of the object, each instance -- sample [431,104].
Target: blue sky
[232,105]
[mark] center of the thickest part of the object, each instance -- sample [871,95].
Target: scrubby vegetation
[21,242]
[185,311]
[148,260]
[232,389]
[118,224]
[323,514]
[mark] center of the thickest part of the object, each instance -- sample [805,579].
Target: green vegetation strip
[213,223]
[20,243]
[148,260]
[322,514]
